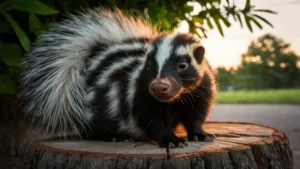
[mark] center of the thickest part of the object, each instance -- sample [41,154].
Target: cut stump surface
[237,146]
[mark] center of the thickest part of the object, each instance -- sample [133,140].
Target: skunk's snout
[163,89]
[160,88]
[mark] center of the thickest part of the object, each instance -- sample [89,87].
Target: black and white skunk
[102,74]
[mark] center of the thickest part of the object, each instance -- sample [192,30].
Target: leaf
[5,27]
[31,6]
[263,19]
[198,19]
[234,17]
[35,25]
[7,6]
[219,26]
[202,30]
[10,54]
[23,38]
[240,20]
[265,10]
[247,20]
[247,5]
[209,23]
[225,21]
[256,22]
[188,8]
[7,86]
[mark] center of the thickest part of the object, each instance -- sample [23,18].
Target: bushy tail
[53,84]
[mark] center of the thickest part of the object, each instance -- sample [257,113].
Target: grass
[286,96]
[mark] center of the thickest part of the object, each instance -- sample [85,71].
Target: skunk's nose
[160,88]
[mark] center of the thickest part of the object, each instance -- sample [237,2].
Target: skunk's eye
[183,65]
[148,65]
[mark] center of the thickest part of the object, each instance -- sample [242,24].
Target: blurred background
[253,46]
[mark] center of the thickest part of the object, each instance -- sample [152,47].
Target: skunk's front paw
[179,142]
[206,137]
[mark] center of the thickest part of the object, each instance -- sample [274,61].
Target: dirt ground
[283,117]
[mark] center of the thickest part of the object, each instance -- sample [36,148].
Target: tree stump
[237,146]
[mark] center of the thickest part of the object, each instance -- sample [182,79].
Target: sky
[226,51]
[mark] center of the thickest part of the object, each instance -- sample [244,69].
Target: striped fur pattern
[102,75]
[54,86]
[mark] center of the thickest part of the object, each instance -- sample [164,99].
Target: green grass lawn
[288,96]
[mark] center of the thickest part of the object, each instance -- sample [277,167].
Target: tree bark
[237,146]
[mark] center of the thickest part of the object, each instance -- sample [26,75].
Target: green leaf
[7,6]
[35,25]
[7,86]
[187,8]
[247,5]
[23,38]
[10,54]
[219,26]
[209,23]
[226,22]
[31,6]
[5,27]
[247,20]
[198,19]
[265,10]
[263,19]
[256,22]
[240,20]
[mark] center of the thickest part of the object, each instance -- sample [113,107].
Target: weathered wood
[238,146]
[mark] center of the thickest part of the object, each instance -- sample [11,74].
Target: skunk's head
[173,66]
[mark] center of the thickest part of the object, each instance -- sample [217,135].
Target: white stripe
[91,95]
[113,100]
[164,52]
[132,83]
[104,78]
[130,125]
[181,50]
[97,60]
[150,49]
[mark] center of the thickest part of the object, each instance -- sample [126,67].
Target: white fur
[130,126]
[91,95]
[181,50]
[103,79]
[132,84]
[164,52]
[150,49]
[113,97]
[97,61]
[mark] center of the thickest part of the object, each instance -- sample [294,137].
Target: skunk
[103,74]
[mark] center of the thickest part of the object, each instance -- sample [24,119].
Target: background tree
[268,63]
[225,78]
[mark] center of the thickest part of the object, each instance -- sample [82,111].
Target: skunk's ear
[199,54]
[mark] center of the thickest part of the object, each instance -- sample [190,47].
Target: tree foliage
[268,63]
[22,21]
[225,78]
